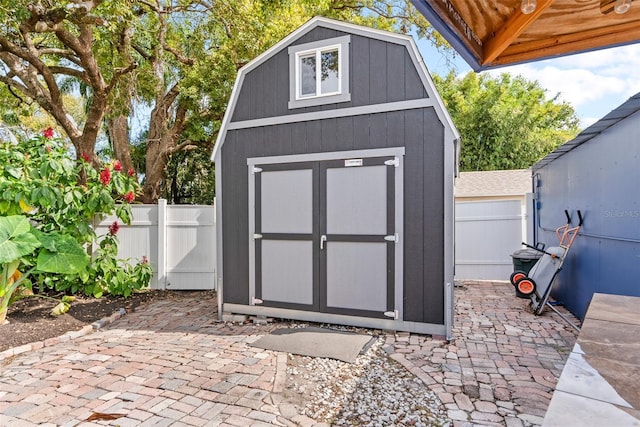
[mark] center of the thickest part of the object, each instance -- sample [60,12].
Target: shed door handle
[323,239]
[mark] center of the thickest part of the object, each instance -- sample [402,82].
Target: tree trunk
[119,134]
[156,162]
[159,143]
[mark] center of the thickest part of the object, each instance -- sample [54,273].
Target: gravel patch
[374,391]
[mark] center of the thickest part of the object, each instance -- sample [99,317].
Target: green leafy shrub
[107,274]
[54,252]
[40,179]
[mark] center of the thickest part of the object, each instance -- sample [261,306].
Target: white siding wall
[487,233]
[178,240]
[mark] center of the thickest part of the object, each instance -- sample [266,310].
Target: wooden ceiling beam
[510,31]
[598,38]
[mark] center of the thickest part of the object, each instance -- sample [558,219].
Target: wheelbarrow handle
[540,248]
[566,212]
[580,218]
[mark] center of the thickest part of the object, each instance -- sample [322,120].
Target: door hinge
[257,236]
[395,162]
[255,170]
[256,301]
[395,314]
[392,238]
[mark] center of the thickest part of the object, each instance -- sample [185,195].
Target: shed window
[319,73]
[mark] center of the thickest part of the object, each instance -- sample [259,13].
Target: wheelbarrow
[538,282]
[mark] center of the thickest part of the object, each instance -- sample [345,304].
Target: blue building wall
[601,177]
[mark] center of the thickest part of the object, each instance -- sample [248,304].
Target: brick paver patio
[170,363]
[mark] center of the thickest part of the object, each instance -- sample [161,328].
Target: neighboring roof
[622,112]
[319,21]
[493,33]
[516,182]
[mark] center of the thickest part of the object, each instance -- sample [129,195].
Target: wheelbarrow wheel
[526,286]
[517,275]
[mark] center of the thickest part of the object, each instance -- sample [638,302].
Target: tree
[177,58]
[505,122]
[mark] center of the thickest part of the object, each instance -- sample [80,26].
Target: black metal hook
[566,212]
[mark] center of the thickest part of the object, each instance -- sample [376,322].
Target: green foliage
[108,274]
[505,122]
[39,181]
[39,177]
[190,178]
[16,238]
[56,253]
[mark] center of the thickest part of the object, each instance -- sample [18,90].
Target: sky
[594,83]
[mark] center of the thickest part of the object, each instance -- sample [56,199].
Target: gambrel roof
[433,100]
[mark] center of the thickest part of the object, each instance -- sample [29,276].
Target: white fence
[487,233]
[178,240]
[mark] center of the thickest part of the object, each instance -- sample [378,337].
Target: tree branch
[119,73]
[181,58]
[185,146]
[80,75]
[13,83]
[146,55]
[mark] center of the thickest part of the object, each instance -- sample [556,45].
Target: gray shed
[335,166]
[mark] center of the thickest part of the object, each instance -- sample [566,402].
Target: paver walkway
[502,363]
[171,364]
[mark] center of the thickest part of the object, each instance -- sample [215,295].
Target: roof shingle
[516,182]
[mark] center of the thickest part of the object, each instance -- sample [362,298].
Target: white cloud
[594,83]
[627,56]
[575,85]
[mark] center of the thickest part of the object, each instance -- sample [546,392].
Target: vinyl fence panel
[178,241]
[191,247]
[487,233]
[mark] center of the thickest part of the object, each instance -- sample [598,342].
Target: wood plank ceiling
[493,33]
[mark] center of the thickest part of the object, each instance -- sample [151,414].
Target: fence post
[162,244]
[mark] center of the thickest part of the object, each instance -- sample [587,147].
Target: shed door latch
[256,301]
[395,314]
[256,170]
[257,236]
[392,238]
[395,162]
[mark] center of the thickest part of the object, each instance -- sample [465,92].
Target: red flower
[117,166]
[113,228]
[145,260]
[85,157]
[129,196]
[105,176]
[131,172]
[48,133]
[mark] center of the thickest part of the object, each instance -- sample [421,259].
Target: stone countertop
[600,384]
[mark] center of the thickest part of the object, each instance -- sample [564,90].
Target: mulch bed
[30,319]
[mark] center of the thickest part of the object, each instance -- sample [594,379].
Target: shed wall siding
[380,72]
[422,135]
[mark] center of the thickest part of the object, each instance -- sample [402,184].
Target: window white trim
[317,54]
[296,99]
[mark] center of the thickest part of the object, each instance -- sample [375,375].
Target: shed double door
[325,236]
